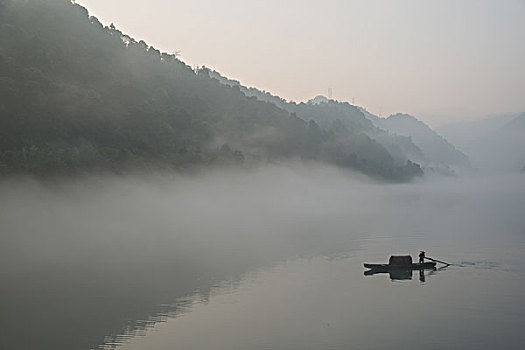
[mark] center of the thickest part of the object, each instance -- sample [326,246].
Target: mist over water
[167,205]
[87,260]
[123,218]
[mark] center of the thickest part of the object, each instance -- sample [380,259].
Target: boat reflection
[401,274]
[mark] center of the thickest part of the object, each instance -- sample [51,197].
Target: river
[267,259]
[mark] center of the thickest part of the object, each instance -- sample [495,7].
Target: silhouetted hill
[404,137]
[341,118]
[77,95]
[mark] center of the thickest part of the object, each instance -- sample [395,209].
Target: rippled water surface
[260,260]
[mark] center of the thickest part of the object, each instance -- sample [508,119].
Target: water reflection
[99,263]
[82,308]
[402,274]
[323,303]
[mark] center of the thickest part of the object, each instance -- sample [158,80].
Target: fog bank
[96,256]
[275,210]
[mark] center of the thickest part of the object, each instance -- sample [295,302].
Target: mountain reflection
[84,308]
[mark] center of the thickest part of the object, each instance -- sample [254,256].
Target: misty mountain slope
[323,111]
[341,118]
[494,143]
[463,133]
[515,125]
[436,148]
[77,95]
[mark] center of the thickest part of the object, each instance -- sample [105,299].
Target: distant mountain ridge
[517,124]
[434,146]
[494,143]
[404,136]
[340,118]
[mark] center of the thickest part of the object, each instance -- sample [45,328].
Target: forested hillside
[76,95]
[405,137]
[344,120]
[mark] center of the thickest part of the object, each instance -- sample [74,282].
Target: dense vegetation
[77,95]
[404,136]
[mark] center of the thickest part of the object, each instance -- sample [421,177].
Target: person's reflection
[422,275]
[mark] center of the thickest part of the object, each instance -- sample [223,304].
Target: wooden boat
[388,267]
[403,262]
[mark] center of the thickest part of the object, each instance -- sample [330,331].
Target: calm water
[266,260]
[326,303]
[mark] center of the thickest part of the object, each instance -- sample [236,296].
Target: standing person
[421,257]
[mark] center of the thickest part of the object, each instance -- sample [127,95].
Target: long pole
[446,263]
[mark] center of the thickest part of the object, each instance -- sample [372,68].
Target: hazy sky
[440,60]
